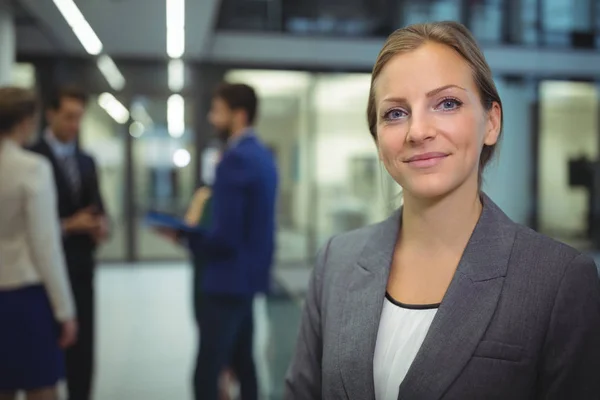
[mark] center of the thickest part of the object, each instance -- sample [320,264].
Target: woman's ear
[493,125]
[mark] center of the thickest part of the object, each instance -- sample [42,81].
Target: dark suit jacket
[238,245]
[79,249]
[520,320]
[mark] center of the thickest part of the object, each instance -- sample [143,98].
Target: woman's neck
[14,136]
[447,222]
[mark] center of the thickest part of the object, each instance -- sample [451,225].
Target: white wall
[508,178]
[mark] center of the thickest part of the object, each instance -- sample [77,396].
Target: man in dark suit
[83,222]
[238,246]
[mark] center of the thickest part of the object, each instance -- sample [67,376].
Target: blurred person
[448,298]
[199,213]
[84,224]
[34,287]
[237,247]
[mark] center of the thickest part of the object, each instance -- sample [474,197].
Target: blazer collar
[482,259]
[246,134]
[460,322]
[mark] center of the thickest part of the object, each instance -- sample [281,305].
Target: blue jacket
[238,246]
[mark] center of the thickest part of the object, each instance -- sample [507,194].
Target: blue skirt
[30,357]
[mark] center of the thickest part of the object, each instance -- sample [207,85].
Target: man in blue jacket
[238,246]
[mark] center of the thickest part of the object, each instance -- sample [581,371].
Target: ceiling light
[80,26]
[175,28]
[176,115]
[176,75]
[111,73]
[136,129]
[113,107]
[181,158]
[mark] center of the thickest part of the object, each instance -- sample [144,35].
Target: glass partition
[104,138]
[283,124]
[164,173]
[352,189]
[331,180]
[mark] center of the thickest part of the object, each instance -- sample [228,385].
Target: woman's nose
[419,128]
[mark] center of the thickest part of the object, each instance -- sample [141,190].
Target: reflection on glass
[103,138]
[164,176]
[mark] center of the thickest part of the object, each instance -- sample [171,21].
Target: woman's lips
[426,160]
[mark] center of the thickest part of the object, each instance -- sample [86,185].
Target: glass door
[568,161]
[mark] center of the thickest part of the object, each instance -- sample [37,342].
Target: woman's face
[431,125]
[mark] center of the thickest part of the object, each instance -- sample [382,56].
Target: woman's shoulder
[26,161]
[37,164]
[547,258]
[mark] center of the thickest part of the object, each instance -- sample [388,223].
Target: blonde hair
[453,35]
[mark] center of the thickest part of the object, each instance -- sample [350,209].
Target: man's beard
[224,134]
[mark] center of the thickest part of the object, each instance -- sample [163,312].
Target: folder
[162,220]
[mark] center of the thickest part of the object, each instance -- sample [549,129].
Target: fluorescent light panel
[111,73]
[113,107]
[176,75]
[82,29]
[176,115]
[175,28]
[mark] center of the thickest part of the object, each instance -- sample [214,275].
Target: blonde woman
[448,298]
[37,315]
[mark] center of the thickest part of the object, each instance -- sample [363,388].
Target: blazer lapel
[367,282]
[466,309]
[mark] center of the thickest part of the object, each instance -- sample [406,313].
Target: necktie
[71,170]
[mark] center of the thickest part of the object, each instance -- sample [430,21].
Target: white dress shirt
[30,239]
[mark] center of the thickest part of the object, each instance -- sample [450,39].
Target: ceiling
[136,29]
[127,28]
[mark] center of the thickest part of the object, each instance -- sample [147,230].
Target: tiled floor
[147,339]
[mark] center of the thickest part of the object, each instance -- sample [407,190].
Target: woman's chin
[427,188]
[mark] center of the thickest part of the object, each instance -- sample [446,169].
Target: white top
[30,236]
[402,330]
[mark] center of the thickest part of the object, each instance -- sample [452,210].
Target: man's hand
[101,233]
[170,235]
[68,334]
[84,221]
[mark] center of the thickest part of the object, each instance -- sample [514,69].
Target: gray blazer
[520,320]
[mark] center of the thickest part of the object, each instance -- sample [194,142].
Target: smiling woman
[424,304]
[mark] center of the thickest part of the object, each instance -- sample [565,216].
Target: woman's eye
[394,114]
[449,105]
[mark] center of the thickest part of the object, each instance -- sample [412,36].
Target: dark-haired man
[83,222]
[238,247]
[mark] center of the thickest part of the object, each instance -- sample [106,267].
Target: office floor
[147,339]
